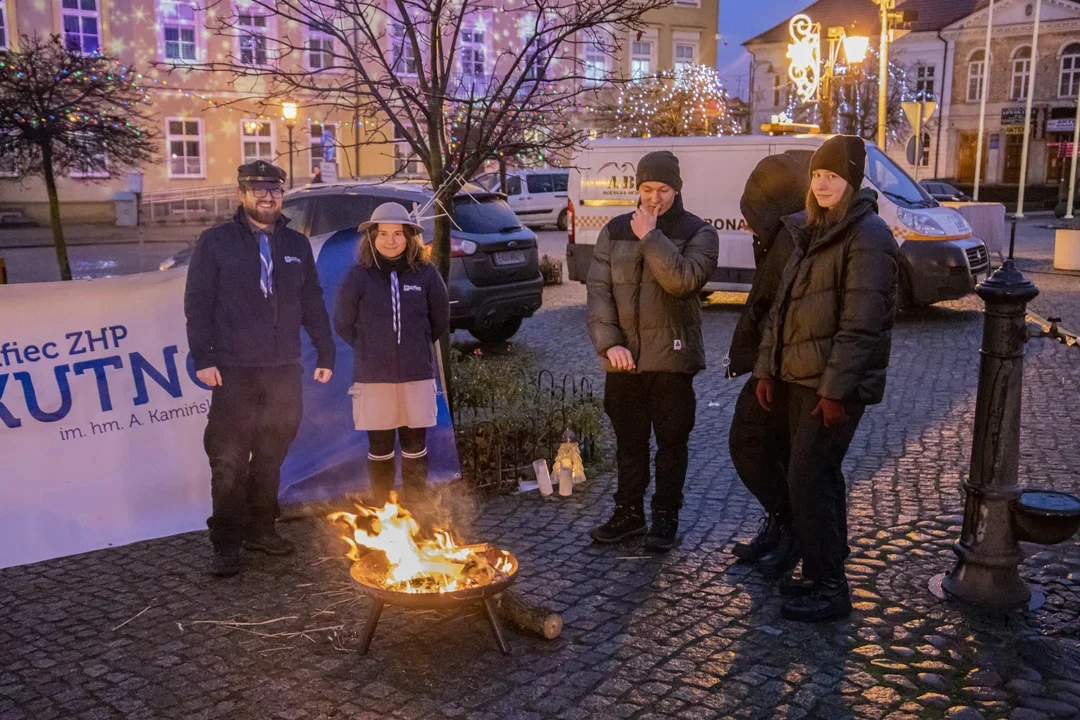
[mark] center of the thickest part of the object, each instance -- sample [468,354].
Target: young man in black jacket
[252,283]
[758,439]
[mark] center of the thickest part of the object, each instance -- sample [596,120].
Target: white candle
[542,477]
[566,481]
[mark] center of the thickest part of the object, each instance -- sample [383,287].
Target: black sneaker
[793,587]
[783,558]
[226,563]
[764,542]
[270,543]
[830,600]
[664,530]
[626,522]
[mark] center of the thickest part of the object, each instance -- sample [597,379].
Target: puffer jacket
[830,327]
[644,294]
[775,189]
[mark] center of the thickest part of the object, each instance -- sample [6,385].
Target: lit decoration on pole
[804,51]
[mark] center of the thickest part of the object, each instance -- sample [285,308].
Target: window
[596,63]
[405,161]
[257,140]
[925,161]
[976,75]
[184,143]
[777,91]
[492,215]
[338,212]
[924,82]
[402,50]
[688,3]
[536,71]
[540,183]
[472,53]
[3,30]
[80,18]
[299,211]
[562,181]
[513,185]
[323,145]
[178,31]
[1069,81]
[91,159]
[320,51]
[1021,72]
[685,55]
[253,33]
[641,59]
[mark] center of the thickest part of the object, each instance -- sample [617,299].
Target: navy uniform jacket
[230,323]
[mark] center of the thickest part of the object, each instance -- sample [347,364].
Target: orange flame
[438,564]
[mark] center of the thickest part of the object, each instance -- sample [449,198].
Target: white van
[940,260]
[537,197]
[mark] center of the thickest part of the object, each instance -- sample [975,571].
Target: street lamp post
[810,80]
[288,111]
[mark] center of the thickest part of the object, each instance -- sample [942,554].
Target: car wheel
[561,223]
[496,332]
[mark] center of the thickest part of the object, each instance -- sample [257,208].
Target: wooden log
[518,611]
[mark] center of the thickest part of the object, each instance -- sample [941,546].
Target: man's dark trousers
[254,416]
[638,404]
[816,487]
[758,443]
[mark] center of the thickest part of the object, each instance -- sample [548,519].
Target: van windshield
[891,181]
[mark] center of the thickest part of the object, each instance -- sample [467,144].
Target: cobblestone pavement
[135,631]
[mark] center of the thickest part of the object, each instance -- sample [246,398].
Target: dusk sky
[741,20]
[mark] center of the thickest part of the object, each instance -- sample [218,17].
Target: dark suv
[495,278]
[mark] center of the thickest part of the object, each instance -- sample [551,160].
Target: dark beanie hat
[844,155]
[660,166]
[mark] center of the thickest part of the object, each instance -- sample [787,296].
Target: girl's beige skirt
[388,406]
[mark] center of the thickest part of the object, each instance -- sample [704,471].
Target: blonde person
[391,308]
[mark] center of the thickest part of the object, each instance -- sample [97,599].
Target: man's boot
[626,522]
[664,530]
[763,543]
[226,563]
[269,542]
[381,477]
[793,587]
[783,558]
[829,600]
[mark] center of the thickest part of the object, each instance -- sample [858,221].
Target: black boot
[783,558]
[226,563]
[270,543]
[381,476]
[626,522]
[792,587]
[414,490]
[664,530]
[763,543]
[830,600]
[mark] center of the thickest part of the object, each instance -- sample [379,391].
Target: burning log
[528,616]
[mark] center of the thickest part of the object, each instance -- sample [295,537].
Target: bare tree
[416,69]
[66,113]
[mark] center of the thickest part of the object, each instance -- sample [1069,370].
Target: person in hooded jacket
[644,319]
[757,439]
[823,358]
[391,308]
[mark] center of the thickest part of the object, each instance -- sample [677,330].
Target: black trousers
[254,416]
[414,464]
[816,488]
[638,405]
[758,443]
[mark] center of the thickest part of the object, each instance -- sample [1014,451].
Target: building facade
[1054,61]
[211,122]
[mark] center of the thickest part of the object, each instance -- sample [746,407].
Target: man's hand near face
[643,222]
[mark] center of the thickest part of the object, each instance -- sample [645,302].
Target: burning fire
[387,550]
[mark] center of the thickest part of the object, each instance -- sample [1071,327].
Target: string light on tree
[688,101]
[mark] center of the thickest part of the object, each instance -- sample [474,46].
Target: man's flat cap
[260,171]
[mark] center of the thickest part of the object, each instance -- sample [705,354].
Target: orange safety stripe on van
[591,222]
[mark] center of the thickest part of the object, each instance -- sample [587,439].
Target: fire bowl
[438,600]
[1046,517]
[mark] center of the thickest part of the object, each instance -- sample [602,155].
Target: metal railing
[197,204]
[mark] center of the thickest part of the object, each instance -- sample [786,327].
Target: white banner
[101,419]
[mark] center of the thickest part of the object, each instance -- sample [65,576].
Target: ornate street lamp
[288,111]
[812,82]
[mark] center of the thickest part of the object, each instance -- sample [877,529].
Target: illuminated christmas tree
[688,101]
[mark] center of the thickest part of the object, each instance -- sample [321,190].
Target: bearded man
[251,285]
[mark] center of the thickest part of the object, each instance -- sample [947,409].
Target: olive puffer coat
[830,327]
[644,294]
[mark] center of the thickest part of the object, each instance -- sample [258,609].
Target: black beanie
[844,155]
[660,166]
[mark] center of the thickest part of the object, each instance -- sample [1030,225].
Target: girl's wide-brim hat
[391,213]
